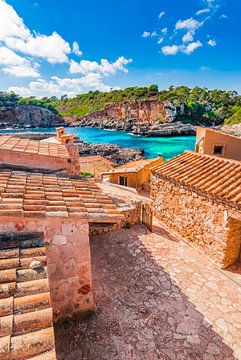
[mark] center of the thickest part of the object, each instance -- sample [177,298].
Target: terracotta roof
[88,159]
[212,176]
[132,166]
[26,327]
[39,195]
[33,146]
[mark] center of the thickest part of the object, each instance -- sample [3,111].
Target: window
[218,150]
[123,180]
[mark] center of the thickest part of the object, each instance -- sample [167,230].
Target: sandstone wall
[68,260]
[31,160]
[201,221]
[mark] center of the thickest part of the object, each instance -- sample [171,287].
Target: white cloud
[105,67]
[17,65]
[60,86]
[174,49]
[164,30]
[188,24]
[15,35]
[8,57]
[212,43]
[154,33]
[203,11]
[188,37]
[162,14]
[160,40]
[21,71]
[76,49]
[170,50]
[146,34]
[223,16]
[190,48]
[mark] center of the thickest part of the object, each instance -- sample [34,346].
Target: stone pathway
[157,298]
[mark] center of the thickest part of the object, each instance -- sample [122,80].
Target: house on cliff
[134,174]
[198,197]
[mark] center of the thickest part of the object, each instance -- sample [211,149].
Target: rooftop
[88,159]
[33,147]
[26,327]
[208,175]
[132,166]
[26,194]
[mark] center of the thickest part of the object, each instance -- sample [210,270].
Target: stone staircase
[26,327]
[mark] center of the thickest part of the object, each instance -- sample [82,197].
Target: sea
[168,147]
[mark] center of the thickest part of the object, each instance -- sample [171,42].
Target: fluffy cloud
[186,49]
[212,43]
[17,65]
[76,49]
[188,37]
[105,67]
[60,86]
[8,57]
[15,35]
[170,50]
[188,24]
[190,48]
[21,71]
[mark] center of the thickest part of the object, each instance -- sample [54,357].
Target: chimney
[74,164]
[60,131]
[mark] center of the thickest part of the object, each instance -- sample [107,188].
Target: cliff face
[142,117]
[28,116]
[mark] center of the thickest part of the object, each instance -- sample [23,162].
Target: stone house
[217,143]
[38,155]
[198,197]
[95,165]
[134,174]
[45,262]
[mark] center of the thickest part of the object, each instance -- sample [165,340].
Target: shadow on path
[141,313]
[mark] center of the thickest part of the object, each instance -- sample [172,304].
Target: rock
[29,116]
[141,117]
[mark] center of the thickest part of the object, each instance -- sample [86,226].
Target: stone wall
[132,216]
[68,260]
[201,221]
[31,160]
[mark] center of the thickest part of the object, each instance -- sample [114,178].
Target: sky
[57,47]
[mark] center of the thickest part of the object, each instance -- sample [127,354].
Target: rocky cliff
[141,117]
[29,117]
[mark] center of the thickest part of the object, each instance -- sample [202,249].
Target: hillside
[197,106]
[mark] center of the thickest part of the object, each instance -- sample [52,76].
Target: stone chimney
[74,164]
[59,132]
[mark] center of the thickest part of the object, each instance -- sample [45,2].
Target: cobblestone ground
[157,298]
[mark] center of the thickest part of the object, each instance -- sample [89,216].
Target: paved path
[157,298]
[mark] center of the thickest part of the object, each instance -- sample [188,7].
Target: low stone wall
[132,216]
[68,260]
[198,219]
[31,160]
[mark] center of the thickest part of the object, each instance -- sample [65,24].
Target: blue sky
[57,47]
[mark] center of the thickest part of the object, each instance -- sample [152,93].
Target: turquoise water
[168,147]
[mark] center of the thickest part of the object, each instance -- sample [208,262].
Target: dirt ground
[156,298]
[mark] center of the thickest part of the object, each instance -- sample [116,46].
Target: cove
[168,147]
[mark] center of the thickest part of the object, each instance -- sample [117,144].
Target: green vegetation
[87,174]
[197,106]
